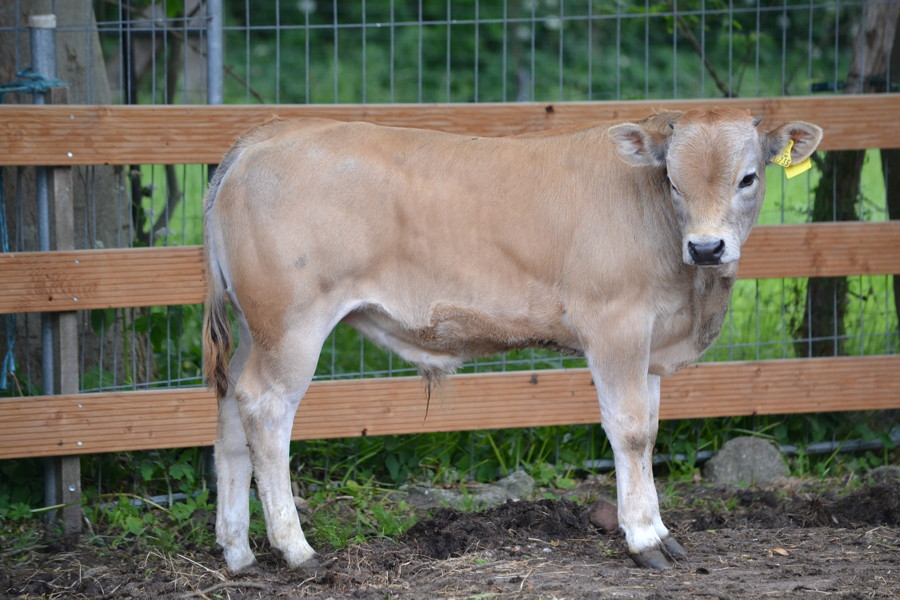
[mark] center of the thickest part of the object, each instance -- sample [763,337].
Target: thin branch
[17,551]
[224,585]
[695,44]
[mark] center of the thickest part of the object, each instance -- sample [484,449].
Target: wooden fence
[71,424]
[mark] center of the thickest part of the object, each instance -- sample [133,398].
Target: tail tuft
[216,340]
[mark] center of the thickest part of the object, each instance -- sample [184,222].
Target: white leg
[629,404]
[268,393]
[233,472]
[653,392]
[671,547]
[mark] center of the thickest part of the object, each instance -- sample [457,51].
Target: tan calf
[616,241]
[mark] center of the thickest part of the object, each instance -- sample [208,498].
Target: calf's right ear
[638,146]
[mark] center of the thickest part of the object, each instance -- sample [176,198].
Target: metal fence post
[215,68]
[215,94]
[62,476]
[43,61]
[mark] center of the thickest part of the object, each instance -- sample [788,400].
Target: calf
[616,241]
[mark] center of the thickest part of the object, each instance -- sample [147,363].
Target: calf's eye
[747,181]
[672,185]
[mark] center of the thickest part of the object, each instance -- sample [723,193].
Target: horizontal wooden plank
[182,134]
[171,418]
[88,279]
[821,250]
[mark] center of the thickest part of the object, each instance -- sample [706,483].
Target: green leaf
[147,470]
[180,471]
[134,525]
[141,324]
[102,319]
[182,511]
[864,431]
[565,483]
[19,512]
[393,466]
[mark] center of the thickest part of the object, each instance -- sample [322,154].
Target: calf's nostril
[707,253]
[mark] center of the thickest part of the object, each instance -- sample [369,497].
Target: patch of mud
[741,543]
[873,505]
[452,533]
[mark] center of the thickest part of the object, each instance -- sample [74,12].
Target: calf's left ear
[806,138]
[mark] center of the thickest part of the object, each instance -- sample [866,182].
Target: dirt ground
[788,542]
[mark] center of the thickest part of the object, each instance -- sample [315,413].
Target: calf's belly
[450,334]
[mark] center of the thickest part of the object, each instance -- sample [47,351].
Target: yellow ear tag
[784,160]
[800,167]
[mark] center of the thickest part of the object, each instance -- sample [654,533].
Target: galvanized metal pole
[43,62]
[215,49]
[215,94]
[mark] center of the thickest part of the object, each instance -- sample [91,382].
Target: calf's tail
[216,333]
[217,339]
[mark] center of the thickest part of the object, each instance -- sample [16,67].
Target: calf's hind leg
[233,471]
[268,394]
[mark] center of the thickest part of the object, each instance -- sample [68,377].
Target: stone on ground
[746,461]
[603,514]
[516,486]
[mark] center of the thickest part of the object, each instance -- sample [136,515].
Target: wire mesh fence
[307,51]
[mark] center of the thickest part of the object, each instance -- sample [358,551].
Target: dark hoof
[315,565]
[251,569]
[652,558]
[673,549]
[660,557]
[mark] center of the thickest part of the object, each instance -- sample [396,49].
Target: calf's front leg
[629,406]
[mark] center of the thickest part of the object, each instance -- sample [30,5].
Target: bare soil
[788,542]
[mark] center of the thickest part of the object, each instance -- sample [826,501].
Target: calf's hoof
[311,565]
[660,557]
[652,558]
[673,549]
[316,565]
[239,561]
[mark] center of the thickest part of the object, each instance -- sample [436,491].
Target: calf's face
[714,165]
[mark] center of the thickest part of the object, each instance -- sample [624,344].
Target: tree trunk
[890,163]
[822,329]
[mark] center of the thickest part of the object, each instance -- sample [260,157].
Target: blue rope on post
[27,83]
[30,83]
[9,321]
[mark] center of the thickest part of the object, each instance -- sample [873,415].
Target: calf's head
[712,163]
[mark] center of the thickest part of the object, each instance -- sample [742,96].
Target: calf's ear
[638,146]
[806,138]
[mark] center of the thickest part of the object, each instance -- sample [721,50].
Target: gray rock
[746,460]
[515,486]
[518,485]
[885,474]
